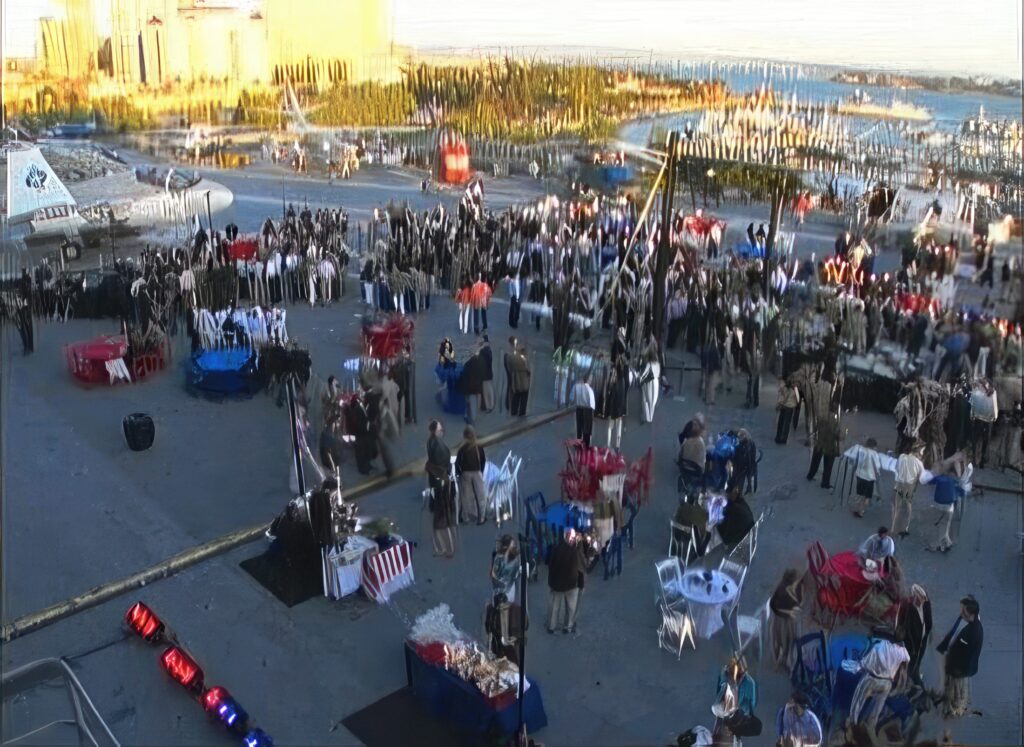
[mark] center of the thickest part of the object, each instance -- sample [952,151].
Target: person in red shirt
[480,298]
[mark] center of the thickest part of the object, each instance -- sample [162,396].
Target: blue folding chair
[536,520]
[627,529]
[811,671]
[611,555]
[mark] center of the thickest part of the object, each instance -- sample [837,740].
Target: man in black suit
[962,648]
[487,363]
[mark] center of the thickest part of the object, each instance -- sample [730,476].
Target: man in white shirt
[583,396]
[908,472]
[869,464]
[878,546]
[882,664]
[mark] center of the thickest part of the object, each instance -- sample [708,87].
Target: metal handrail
[92,729]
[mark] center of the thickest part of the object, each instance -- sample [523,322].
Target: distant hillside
[945,84]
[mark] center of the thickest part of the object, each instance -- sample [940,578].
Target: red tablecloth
[847,593]
[87,360]
[106,348]
[242,249]
[386,341]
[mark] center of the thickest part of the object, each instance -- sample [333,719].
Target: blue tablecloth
[448,696]
[223,371]
[560,516]
[450,398]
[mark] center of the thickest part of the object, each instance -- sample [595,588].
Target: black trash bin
[139,431]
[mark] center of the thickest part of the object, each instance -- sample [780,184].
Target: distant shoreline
[937,83]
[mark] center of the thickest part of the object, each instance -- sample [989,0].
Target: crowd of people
[582,267]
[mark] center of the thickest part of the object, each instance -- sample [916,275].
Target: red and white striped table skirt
[386,572]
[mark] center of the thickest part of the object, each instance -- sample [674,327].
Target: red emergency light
[182,668]
[142,620]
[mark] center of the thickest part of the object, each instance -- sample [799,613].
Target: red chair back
[817,559]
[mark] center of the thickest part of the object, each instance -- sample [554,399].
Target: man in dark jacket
[962,648]
[565,580]
[737,519]
[402,369]
[487,365]
[519,382]
[471,383]
[507,362]
[914,620]
[744,463]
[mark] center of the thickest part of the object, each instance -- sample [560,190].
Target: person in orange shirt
[479,298]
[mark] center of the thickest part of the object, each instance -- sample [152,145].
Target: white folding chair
[738,573]
[749,627]
[504,489]
[675,629]
[670,583]
[680,539]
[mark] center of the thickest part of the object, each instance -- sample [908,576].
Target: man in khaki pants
[908,471]
[565,576]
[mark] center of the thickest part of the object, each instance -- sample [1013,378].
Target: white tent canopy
[32,186]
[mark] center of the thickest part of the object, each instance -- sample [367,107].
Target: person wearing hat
[914,620]
[796,723]
[961,648]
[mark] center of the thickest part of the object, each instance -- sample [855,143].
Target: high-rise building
[243,41]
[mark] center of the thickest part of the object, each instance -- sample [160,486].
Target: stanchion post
[524,543]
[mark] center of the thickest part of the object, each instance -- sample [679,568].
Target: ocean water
[812,84]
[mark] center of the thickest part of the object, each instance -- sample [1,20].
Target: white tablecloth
[706,606]
[887,462]
[343,569]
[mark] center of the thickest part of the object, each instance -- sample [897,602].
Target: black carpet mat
[398,720]
[292,583]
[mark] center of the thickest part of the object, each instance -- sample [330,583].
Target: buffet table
[447,696]
[848,591]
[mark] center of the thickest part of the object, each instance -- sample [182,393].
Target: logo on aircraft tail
[35,178]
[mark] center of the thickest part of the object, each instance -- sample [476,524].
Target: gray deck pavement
[80,510]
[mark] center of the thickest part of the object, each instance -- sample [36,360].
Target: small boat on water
[860,104]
